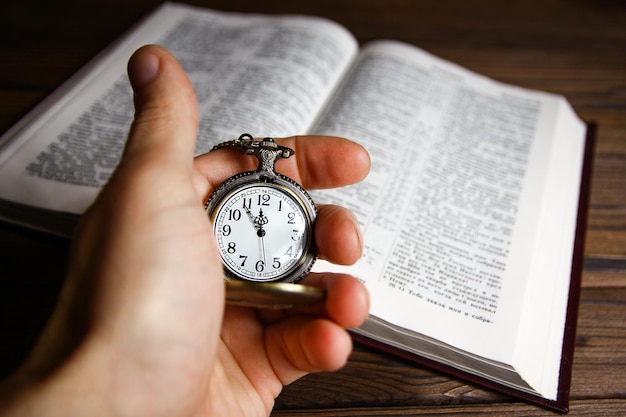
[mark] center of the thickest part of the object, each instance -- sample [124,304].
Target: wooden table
[576,48]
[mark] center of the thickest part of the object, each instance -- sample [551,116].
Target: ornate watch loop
[266,150]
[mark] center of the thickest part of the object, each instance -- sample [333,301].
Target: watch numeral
[232,247]
[263,200]
[260,266]
[226,230]
[291,216]
[234,214]
[249,205]
[276,263]
[245,258]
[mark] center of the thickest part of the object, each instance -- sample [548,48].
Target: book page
[267,76]
[457,167]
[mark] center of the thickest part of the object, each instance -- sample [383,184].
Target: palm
[243,381]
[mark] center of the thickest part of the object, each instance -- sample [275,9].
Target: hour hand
[250,216]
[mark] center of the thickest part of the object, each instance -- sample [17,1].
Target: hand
[141,328]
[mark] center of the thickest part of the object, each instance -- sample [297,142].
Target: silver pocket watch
[263,221]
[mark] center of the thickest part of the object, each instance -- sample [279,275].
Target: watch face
[264,232]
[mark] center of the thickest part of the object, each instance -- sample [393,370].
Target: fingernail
[142,68]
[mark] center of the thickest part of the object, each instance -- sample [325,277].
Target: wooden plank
[606,277]
[606,243]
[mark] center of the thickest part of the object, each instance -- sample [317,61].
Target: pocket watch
[263,220]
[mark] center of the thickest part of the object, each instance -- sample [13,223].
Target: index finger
[319,162]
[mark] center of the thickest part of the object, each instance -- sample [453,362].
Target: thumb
[166,112]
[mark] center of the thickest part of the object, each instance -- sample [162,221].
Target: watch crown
[268,143]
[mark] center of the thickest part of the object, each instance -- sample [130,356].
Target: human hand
[141,328]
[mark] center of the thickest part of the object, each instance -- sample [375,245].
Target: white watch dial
[262,231]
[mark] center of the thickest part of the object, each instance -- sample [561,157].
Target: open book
[470,213]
